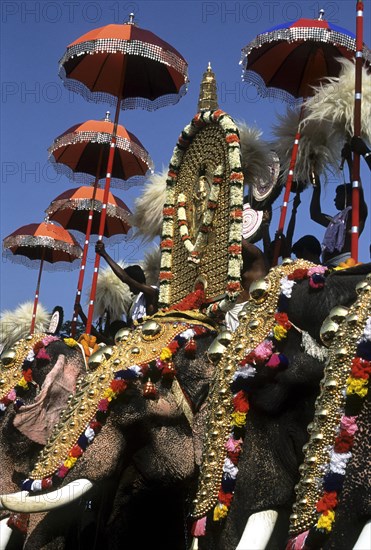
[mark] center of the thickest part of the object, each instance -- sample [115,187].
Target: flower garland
[341,451]
[161,368]
[38,351]
[235,185]
[264,355]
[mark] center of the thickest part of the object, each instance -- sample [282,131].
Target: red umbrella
[125,62]
[45,242]
[80,209]
[81,152]
[127,66]
[287,61]
[72,210]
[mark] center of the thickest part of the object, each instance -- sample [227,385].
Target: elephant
[281,407]
[148,447]
[145,455]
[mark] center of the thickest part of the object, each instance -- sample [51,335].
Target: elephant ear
[37,420]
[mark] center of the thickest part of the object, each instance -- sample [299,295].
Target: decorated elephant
[145,452]
[276,364]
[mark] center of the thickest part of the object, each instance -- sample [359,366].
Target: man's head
[136,273]
[253,264]
[308,248]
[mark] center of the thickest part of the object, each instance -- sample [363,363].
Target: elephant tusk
[20,502]
[5,533]
[364,539]
[21,494]
[258,530]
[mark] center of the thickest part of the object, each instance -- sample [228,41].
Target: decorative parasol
[46,242]
[130,68]
[287,61]
[79,209]
[72,210]
[81,152]
[125,62]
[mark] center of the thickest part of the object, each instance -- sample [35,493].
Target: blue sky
[35,107]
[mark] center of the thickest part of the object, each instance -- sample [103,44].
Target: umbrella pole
[105,200]
[85,251]
[356,176]
[36,299]
[290,177]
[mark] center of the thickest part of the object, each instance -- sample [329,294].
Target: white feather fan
[151,265]
[319,148]
[112,295]
[334,102]
[255,154]
[15,325]
[147,216]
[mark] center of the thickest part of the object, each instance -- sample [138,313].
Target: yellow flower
[220,512]
[279,332]
[71,342]
[23,383]
[325,522]
[70,462]
[109,394]
[165,354]
[238,419]
[357,386]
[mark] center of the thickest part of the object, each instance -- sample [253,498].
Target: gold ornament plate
[255,325]
[12,360]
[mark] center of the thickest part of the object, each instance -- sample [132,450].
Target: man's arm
[150,293]
[358,146]
[315,205]
[292,222]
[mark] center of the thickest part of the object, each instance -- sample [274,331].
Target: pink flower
[43,355]
[274,361]
[233,445]
[318,269]
[48,339]
[348,423]
[62,471]
[12,395]
[103,405]
[264,350]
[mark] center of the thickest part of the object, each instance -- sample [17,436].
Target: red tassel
[149,390]
[168,371]
[199,527]
[190,348]
[19,521]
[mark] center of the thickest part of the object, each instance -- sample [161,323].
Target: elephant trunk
[21,502]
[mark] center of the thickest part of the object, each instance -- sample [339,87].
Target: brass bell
[242,314]
[287,261]
[224,337]
[254,324]
[8,356]
[331,383]
[259,290]
[215,351]
[316,436]
[135,350]
[107,351]
[338,314]
[351,319]
[341,352]
[95,360]
[122,334]
[363,286]
[151,328]
[328,331]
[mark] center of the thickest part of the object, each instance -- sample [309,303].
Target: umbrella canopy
[82,152]
[285,62]
[155,74]
[42,241]
[71,209]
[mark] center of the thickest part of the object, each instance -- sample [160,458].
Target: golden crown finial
[208,98]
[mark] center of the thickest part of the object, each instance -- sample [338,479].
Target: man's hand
[100,248]
[297,201]
[358,146]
